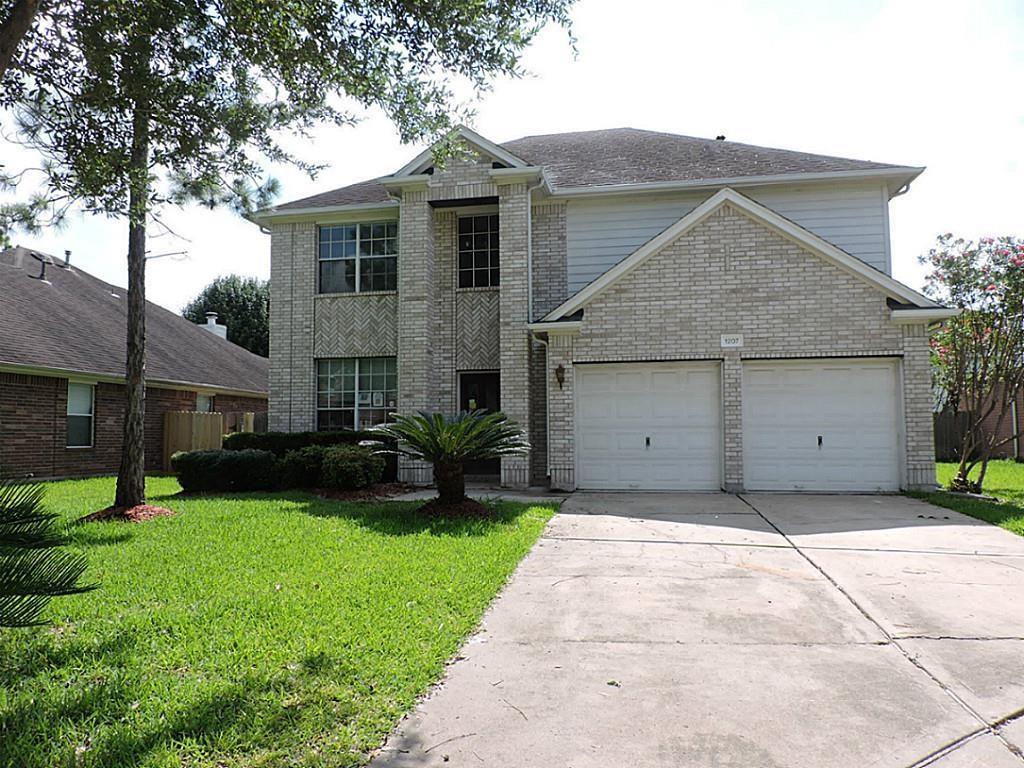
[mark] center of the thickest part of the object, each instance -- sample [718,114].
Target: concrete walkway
[760,631]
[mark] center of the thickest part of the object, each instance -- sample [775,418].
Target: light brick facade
[732,275]
[728,275]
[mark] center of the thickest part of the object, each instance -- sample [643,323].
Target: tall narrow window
[354,258]
[81,403]
[478,251]
[355,393]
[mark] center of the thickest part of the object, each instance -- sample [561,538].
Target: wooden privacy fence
[191,431]
[950,429]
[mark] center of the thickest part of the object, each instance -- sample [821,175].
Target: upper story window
[354,258]
[81,401]
[478,251]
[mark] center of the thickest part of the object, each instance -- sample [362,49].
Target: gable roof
[766,216]
[627,157]
[77,323]
[473,139]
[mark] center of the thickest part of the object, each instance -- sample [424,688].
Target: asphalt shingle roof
[628,156]
[77,322]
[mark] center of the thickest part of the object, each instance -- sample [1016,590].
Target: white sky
[914,82]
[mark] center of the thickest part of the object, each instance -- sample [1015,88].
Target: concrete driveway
[756,631]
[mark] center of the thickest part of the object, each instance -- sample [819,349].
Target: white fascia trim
[905,174]
[924,315]
[470,136]
[770,218]
[556,327]
[90,377]
[271,214]
[513,175]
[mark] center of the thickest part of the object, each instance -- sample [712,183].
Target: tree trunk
[131,478]
[450,481]
[14,28]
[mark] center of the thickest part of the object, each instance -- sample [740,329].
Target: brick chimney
[213,327]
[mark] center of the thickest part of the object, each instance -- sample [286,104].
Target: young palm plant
[447,442]
[33,567]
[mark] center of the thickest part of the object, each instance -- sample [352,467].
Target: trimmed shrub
[220,470]
[301,468]
[351,467]
[280,443]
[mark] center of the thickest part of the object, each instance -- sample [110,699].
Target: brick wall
[729,275]
[33,426]
[236,403]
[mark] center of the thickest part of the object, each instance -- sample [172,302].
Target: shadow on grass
[92,704]
[1005,514]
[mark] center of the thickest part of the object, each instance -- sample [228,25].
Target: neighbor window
[478,251]
[80,412]
[358,257]
[204,403]
[355,393]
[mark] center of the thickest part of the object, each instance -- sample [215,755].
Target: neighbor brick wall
[731,274]
[33,426]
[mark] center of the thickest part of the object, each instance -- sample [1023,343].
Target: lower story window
[204,403]
[355,392]
[81,403]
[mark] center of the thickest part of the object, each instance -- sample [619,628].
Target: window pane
[494,277]
[79,399]
[79,431]
[465,278]
[338,276]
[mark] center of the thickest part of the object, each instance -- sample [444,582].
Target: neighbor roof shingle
[77,322]
[627,156]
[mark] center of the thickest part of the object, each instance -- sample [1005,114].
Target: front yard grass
[1004,480]
[260,629]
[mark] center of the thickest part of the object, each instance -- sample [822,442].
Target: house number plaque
[732,340]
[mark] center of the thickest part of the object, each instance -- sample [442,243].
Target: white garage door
[821,425]
[648,426]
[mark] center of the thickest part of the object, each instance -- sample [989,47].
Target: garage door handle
[819,441]
[647,441]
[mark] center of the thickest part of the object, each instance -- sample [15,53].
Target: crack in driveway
[992,728]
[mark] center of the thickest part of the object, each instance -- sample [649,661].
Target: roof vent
[213,327]
[67,260]
[43,260]
[719,138]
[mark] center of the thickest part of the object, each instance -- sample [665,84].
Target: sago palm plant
[447,442]
[33,567]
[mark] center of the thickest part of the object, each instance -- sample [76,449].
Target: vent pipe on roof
[67,259]
[213,327]
[719,138]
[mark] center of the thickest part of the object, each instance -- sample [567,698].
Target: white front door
[817,425]
[648,426]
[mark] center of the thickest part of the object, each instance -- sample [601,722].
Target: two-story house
[658,311]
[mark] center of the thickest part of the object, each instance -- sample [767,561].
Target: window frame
[492,270]
[91,415]
[357,376]
[210,397]
[358,257]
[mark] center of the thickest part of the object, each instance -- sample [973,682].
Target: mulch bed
[379,491]
[470,508]
[137,514]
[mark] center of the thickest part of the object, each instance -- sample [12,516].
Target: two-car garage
[805,424]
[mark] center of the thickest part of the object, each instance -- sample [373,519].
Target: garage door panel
[852,405]
[674,405]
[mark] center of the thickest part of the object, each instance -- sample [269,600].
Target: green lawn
[248,630]
[1003,480]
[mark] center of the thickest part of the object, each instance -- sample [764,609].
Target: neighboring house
[658,311]
[62,359]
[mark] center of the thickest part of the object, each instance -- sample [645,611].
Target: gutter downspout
[547,419]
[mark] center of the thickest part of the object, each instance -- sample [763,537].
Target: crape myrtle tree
[243,303]
[136,105]
[978,356]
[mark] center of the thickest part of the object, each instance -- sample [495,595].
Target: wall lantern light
[560,375]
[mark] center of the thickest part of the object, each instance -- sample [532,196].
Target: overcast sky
[914,82]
